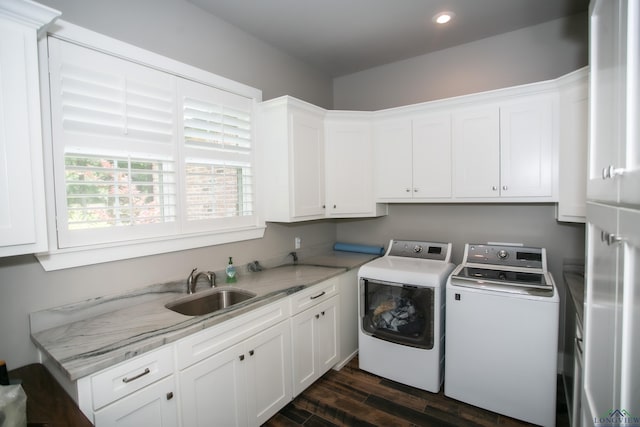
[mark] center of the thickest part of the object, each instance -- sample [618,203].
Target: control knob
[417,249]
[502,254]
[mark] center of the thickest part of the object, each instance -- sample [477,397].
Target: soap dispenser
[230,271]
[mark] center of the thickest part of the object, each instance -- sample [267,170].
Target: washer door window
[402,314]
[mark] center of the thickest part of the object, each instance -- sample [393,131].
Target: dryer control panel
[422,250]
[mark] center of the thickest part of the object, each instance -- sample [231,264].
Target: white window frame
[56,258]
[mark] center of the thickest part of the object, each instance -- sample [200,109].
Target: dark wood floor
[351,397]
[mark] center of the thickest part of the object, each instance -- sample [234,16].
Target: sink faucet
[294,255]
[192,280]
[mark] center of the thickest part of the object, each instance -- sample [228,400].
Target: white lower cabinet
[243,385]
[239,372]
[155,405]
[140,391]
[315,341]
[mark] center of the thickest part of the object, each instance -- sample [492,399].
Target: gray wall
[531,224]
[182,31]
[532,54]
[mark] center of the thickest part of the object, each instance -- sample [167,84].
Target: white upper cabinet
[476,150]
[349,166]
[432,156]
[393,148]
[291,146]
[413,157]
[506,150]
[22,199]
[573,127]
[614,163]
[527,147]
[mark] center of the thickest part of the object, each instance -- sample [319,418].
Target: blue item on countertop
[363,249]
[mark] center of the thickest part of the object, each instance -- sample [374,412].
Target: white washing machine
[401,313]
[502,332]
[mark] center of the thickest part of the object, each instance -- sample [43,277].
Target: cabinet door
[303,344]
[603,304]
[526,148]
[268,365]
[349,167]
[315,342]
[630,351]
[607,91]
[22,209]
[392,141]
[574,137]
[154,405]
[630,182]
[213,392]
[307,146]
[432,156]
[476,153]
[327,334]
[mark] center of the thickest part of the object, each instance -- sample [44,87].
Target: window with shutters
[140,153]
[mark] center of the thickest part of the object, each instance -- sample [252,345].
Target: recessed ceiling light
[443,17]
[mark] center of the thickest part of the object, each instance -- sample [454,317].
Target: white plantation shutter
[216,142]
[114,143]
[140,153]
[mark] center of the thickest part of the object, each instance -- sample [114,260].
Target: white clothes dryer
[401,313]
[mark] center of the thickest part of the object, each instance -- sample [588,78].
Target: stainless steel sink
[209,301]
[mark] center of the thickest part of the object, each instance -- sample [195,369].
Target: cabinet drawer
[212,340]
[306,298]
[121,380]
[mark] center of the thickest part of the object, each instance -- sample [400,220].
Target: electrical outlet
[297,242]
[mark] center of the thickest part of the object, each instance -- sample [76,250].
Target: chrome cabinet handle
[170,395]
[610,238]
[408,190]
[142,374]
[611,172]
[494,188]
[505,188]
[415,190]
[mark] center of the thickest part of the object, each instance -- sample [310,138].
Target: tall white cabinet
[612,307]
[22,200]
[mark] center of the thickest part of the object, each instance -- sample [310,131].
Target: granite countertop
[92,335]
[574,278]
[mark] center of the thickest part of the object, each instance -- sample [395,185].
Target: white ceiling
[344,36]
